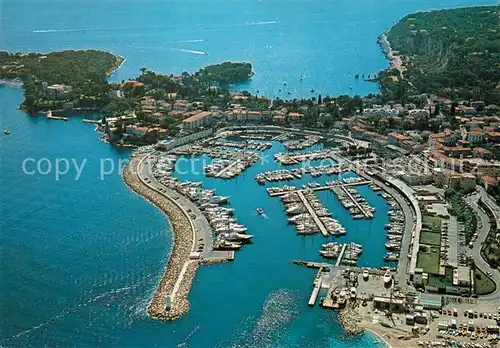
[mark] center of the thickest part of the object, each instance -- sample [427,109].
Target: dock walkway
[339,259]
[368,214]
[316,287]
[227,168]
[323,188]
[315,217]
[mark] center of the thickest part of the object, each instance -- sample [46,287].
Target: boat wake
[58,30]
[263,23]
[194,40]
[280,308]
[189,51]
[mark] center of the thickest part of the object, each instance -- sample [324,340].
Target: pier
[315,217]
[322,188]
[316,287]
[86,120]
[58,118]
[235,163]
[368,215]
[339,259]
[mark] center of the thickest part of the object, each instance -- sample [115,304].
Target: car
[489,274]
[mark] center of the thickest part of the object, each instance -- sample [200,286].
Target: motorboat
[260,211]
[226,245]
[387,277]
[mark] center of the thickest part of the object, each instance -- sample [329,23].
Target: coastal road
[203,230]
[475,252]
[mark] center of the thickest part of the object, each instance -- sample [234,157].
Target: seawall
[180,270]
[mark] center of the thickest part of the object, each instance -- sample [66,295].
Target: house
[156,117]
[475,136]
[57,91]
[198,120]
[481,152]
[467,181]
[397,139]
[136,131]
[493,137]
[488,181]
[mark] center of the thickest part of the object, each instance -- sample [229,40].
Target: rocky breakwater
[350,320]
[179,272]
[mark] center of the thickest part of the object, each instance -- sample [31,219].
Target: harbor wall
[180,270]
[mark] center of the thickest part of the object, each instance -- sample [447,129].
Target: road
[202,227]
[475,252]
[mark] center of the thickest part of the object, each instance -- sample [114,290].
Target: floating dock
[315,217]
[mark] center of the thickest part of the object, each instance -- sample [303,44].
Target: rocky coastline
[179,255]
[351,320]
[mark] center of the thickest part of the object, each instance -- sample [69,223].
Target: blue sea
[81,255]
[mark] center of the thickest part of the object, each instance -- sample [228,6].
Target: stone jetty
[170,285]
[350,320]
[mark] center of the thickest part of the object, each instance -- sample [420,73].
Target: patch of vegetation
[462,211]
[430,238]
[483,284]
[85,71]
[225,73]
[453,53]
[428,259]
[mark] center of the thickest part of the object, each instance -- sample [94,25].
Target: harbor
[211,193]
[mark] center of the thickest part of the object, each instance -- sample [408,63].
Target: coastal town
[421,171]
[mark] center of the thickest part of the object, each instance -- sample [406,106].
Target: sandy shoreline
[178,262]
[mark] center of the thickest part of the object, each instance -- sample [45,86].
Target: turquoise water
[81,258]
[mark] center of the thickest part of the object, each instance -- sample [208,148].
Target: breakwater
[175,283]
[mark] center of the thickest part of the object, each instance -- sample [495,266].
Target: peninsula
[451,53]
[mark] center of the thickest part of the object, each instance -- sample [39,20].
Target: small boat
[260,211]
[356,76]
[6,131]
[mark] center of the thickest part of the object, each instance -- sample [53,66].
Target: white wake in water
[189,51]
[58,30]
[263,23]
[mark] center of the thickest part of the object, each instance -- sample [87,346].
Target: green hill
[452,53]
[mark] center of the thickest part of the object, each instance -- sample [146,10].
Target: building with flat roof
[198,120]
[431,301]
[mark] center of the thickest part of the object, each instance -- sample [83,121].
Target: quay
[339,259]
[315,217]
[322,188]
[367,214]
